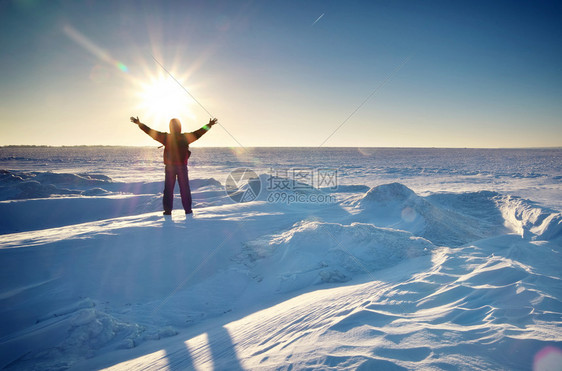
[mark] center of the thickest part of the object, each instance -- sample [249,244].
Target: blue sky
[443,74]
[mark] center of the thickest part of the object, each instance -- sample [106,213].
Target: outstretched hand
[212,122]
[135,120]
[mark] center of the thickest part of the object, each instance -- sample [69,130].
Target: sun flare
[162,99]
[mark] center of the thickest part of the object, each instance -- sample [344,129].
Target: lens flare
[122,67]
[549,358]
[90,46]
[408,214]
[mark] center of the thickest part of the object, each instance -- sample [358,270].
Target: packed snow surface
[440,260]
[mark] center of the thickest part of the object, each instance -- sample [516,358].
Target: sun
[162,99]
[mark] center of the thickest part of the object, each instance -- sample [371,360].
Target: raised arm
[194,135]
[154,134]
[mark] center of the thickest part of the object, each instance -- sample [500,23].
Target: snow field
[382,279]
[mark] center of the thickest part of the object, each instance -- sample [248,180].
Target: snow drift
[310,253]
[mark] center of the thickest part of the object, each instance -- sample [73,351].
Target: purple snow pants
[179,172]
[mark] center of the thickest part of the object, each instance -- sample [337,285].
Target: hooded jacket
[176,143]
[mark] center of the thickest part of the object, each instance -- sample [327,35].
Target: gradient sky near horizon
[283,73]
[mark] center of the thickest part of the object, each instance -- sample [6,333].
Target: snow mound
[442,220]
[387,193]
[313,252]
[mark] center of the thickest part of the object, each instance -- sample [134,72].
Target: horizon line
[257,147]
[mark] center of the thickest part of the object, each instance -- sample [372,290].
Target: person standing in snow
[176,154]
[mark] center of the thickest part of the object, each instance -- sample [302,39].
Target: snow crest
[529,220]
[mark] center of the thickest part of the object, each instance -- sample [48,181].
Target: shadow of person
[178,359]
[222,350]
[212,350]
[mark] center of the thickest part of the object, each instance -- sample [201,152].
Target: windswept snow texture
[437,260]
